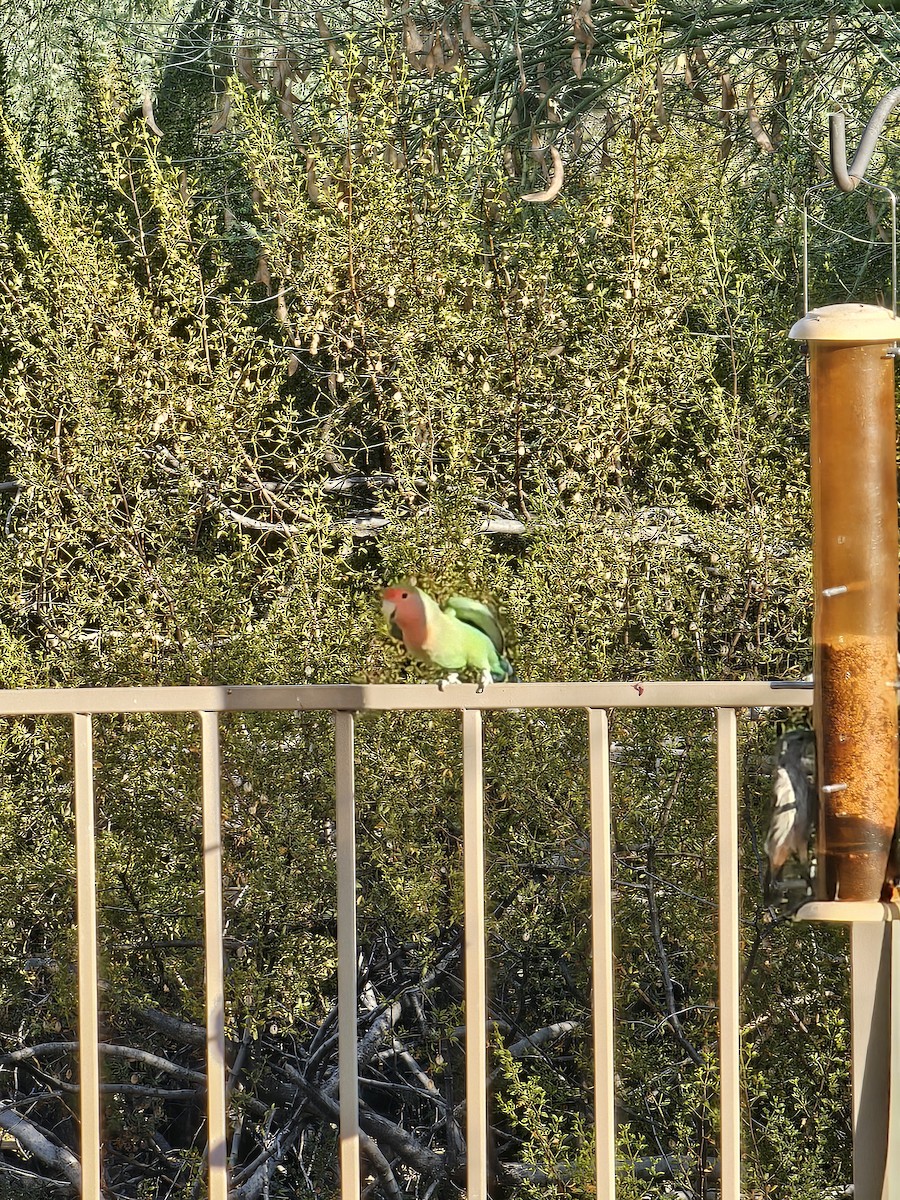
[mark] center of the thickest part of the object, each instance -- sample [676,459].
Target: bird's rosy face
[395,601]
[390,598]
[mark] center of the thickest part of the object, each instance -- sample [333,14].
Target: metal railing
[344,701]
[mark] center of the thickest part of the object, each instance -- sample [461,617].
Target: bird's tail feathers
[506,674]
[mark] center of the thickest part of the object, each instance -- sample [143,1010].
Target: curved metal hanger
[848,179]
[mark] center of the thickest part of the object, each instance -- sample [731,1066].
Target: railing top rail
[383,697]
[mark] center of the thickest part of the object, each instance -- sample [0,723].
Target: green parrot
[463,636]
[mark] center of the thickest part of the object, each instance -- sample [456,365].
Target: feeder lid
[857,324]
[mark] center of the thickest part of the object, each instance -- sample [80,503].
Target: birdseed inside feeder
[855,545]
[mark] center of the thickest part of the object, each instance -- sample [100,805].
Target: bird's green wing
[473,612]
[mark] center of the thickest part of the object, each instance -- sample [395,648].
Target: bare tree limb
[154,1061]
[523,1047]
[413,1153]
[177,1030]
[263,1167]
[35,1142]
[380,1165]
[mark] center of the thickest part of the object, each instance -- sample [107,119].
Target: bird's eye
[404,595]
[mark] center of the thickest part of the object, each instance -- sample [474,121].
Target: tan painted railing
[726,699]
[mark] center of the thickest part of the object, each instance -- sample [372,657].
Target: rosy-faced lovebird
[463,636]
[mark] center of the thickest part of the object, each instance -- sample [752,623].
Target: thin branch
[40,1183]
[413,1153]
[672,1019]
[137,1089]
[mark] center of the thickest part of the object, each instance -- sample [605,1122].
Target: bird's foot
[451,678]
[486,678]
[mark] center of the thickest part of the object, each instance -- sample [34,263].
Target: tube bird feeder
[855,546]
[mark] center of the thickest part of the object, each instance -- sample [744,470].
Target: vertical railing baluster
[348,971]
[86,921]
[892,1151]
[872,1016]
[476,975]
[729,955]
[602,954]
[213,929]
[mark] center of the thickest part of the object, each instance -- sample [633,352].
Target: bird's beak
[388,607]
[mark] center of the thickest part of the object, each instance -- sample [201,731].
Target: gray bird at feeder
[794,803]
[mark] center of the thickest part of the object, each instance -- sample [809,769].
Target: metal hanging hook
[848,179]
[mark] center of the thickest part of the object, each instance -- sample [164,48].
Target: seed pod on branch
[245,65]
[413,45]
[263,275]
[828,44]
[452,50]
[876,224]
[538,151]
[691,77]
[583,34]
[328,38]
[583,25]
[286,108]
[555,185]
[756,126]
[147,109]
[220,121]
[783,79]
[434,58]
[394,157]
[470,37]
[523,83]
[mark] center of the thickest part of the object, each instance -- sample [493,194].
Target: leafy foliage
[250,375]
